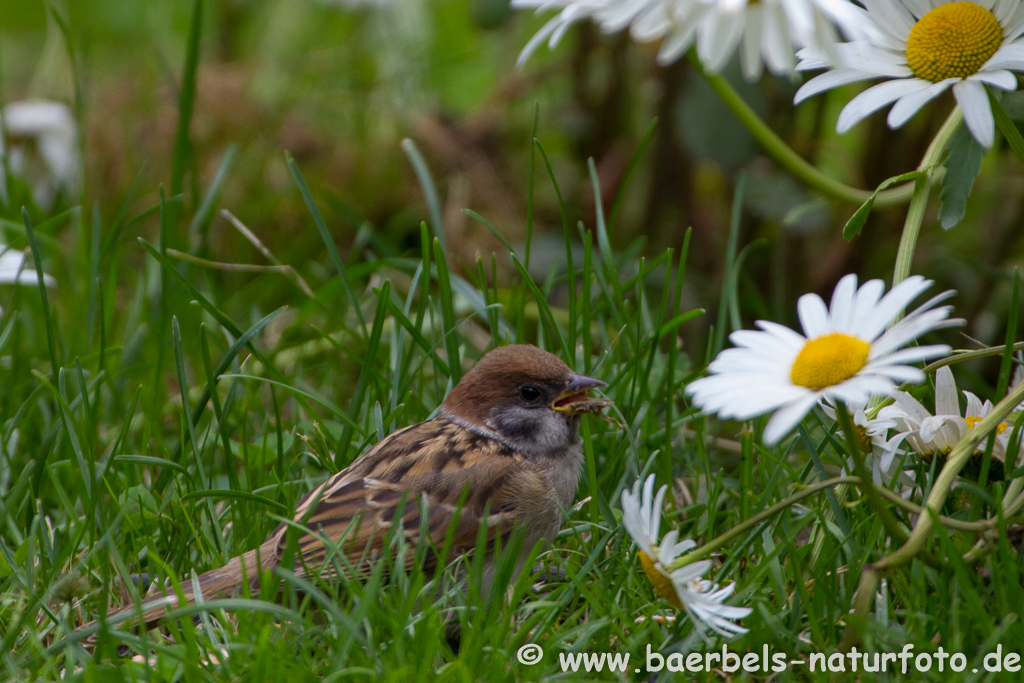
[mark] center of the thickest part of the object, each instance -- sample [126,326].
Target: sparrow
[503,451]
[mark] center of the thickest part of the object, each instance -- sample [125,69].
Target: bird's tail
[217,583]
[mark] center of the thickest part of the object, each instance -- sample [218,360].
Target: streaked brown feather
[355,509]
[437,458]
[457,466]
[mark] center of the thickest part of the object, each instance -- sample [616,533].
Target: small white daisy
[845,354]
[766,32]
[872,438]
[40,143]
[879,448]
[1018,377]
[930,434]
[684,588]
[14,270]
[923,48]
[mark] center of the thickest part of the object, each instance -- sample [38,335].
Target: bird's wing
[456,478]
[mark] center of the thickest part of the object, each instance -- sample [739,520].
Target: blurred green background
[355,92]
[339,85]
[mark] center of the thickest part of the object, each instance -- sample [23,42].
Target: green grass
[114,475]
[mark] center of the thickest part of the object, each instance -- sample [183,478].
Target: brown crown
[496,377]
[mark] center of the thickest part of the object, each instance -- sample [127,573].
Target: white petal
[813,315]
[659,499]
[675,44]
[973,100]
[776,42]
[874,98]
[717,38]
[853,21]
[908,105]
[750,46]
[898,373]
[920,7]
[975,408]
[890,305]
[867,298]
[943,430]
[945,393]
[792,339]
[863,56]
[915,354]
[841,307]
[891,16]
[533,43]
[785,419]
[1007,57]
[829,80]
[812,58]
[1001,78]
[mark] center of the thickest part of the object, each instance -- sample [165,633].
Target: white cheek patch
[554,434]
[537,431]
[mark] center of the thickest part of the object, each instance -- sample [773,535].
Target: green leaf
[139,507]
[259,455]
[330,427]
[325,235]
[426,181]
[150,460]
[236,495]
[444,284]
[860,216]
[962,166]
[1007,127]
[21,554]
[1013,104]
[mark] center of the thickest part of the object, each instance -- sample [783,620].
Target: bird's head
[525,395]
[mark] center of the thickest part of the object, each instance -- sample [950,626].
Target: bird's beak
[575,398]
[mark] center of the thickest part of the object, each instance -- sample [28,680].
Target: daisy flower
[880,450]
[684,588]
[1018,377]
[41,147]
[872,437]
[923,48]
[848,352]
[14,270]
[931,434]
[766,32]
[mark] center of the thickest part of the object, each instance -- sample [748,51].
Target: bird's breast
[563,475]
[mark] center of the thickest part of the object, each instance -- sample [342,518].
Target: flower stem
[881,509]
[958,457]
[959,356]
[894,498]
[741,528]
[919,200]
[786,157]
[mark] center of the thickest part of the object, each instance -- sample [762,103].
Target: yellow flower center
[972,421]
[661,582]
[829,360]
[953,41]
[863,440]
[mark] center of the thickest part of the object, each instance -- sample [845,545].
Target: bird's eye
[529,393]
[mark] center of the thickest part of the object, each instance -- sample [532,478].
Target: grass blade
[451,342]
[325,235]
